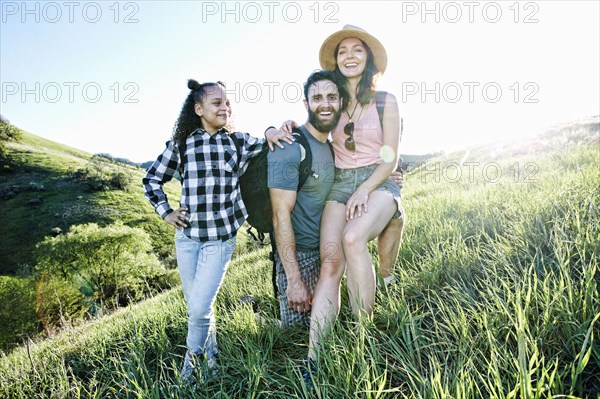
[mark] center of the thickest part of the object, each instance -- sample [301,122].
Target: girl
[211,208]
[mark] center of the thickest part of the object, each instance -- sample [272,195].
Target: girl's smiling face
[215,110]
[351,57]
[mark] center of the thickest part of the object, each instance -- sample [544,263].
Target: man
[297,214]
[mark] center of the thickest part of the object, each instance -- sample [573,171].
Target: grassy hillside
[48,193]
[46,188]
[44,192]
[498,297]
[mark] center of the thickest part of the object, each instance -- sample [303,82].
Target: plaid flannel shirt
[210,189]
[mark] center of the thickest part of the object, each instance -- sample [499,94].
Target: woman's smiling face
[351,57]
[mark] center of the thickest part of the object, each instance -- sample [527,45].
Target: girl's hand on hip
[178,218]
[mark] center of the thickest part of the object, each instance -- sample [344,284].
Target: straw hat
[328,59]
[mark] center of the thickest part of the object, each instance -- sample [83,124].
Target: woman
[363,199]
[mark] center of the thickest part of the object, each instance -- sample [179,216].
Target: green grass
[49,146]
[497,297]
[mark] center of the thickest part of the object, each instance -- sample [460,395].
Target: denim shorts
[348,180]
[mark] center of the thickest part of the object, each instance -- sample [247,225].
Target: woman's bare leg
[356,235]
[326,298]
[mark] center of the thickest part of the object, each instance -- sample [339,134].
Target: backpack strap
[306,162]
[331,149]
[380,97]
[274,269]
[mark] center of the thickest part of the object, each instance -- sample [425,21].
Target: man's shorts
[347,181]
[309,263]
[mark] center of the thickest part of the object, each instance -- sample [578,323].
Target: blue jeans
[202,267]
[348,180]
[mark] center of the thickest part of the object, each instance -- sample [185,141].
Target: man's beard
[323,126]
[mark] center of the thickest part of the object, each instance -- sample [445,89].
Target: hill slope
[498,296]
[56,186]
[52,185]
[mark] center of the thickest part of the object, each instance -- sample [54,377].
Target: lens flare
[387,153]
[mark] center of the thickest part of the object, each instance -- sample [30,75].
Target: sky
[111,77]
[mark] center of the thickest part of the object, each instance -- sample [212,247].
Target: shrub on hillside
[102,175]
[162,238]
[8,132]
[17,310]
[57,304]
[110,158]
[112,265]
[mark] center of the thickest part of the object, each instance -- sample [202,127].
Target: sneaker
[249,299]
[309,369]
[388,280]
[208,368]
[189,365]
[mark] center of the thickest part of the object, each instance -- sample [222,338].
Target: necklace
[353,111]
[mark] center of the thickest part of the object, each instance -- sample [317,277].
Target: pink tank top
[368,136]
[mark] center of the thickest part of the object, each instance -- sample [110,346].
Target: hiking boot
[309,369]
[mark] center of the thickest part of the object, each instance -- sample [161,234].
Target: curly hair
[367,84]
[188,121]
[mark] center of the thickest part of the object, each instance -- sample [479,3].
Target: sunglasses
[349,143]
